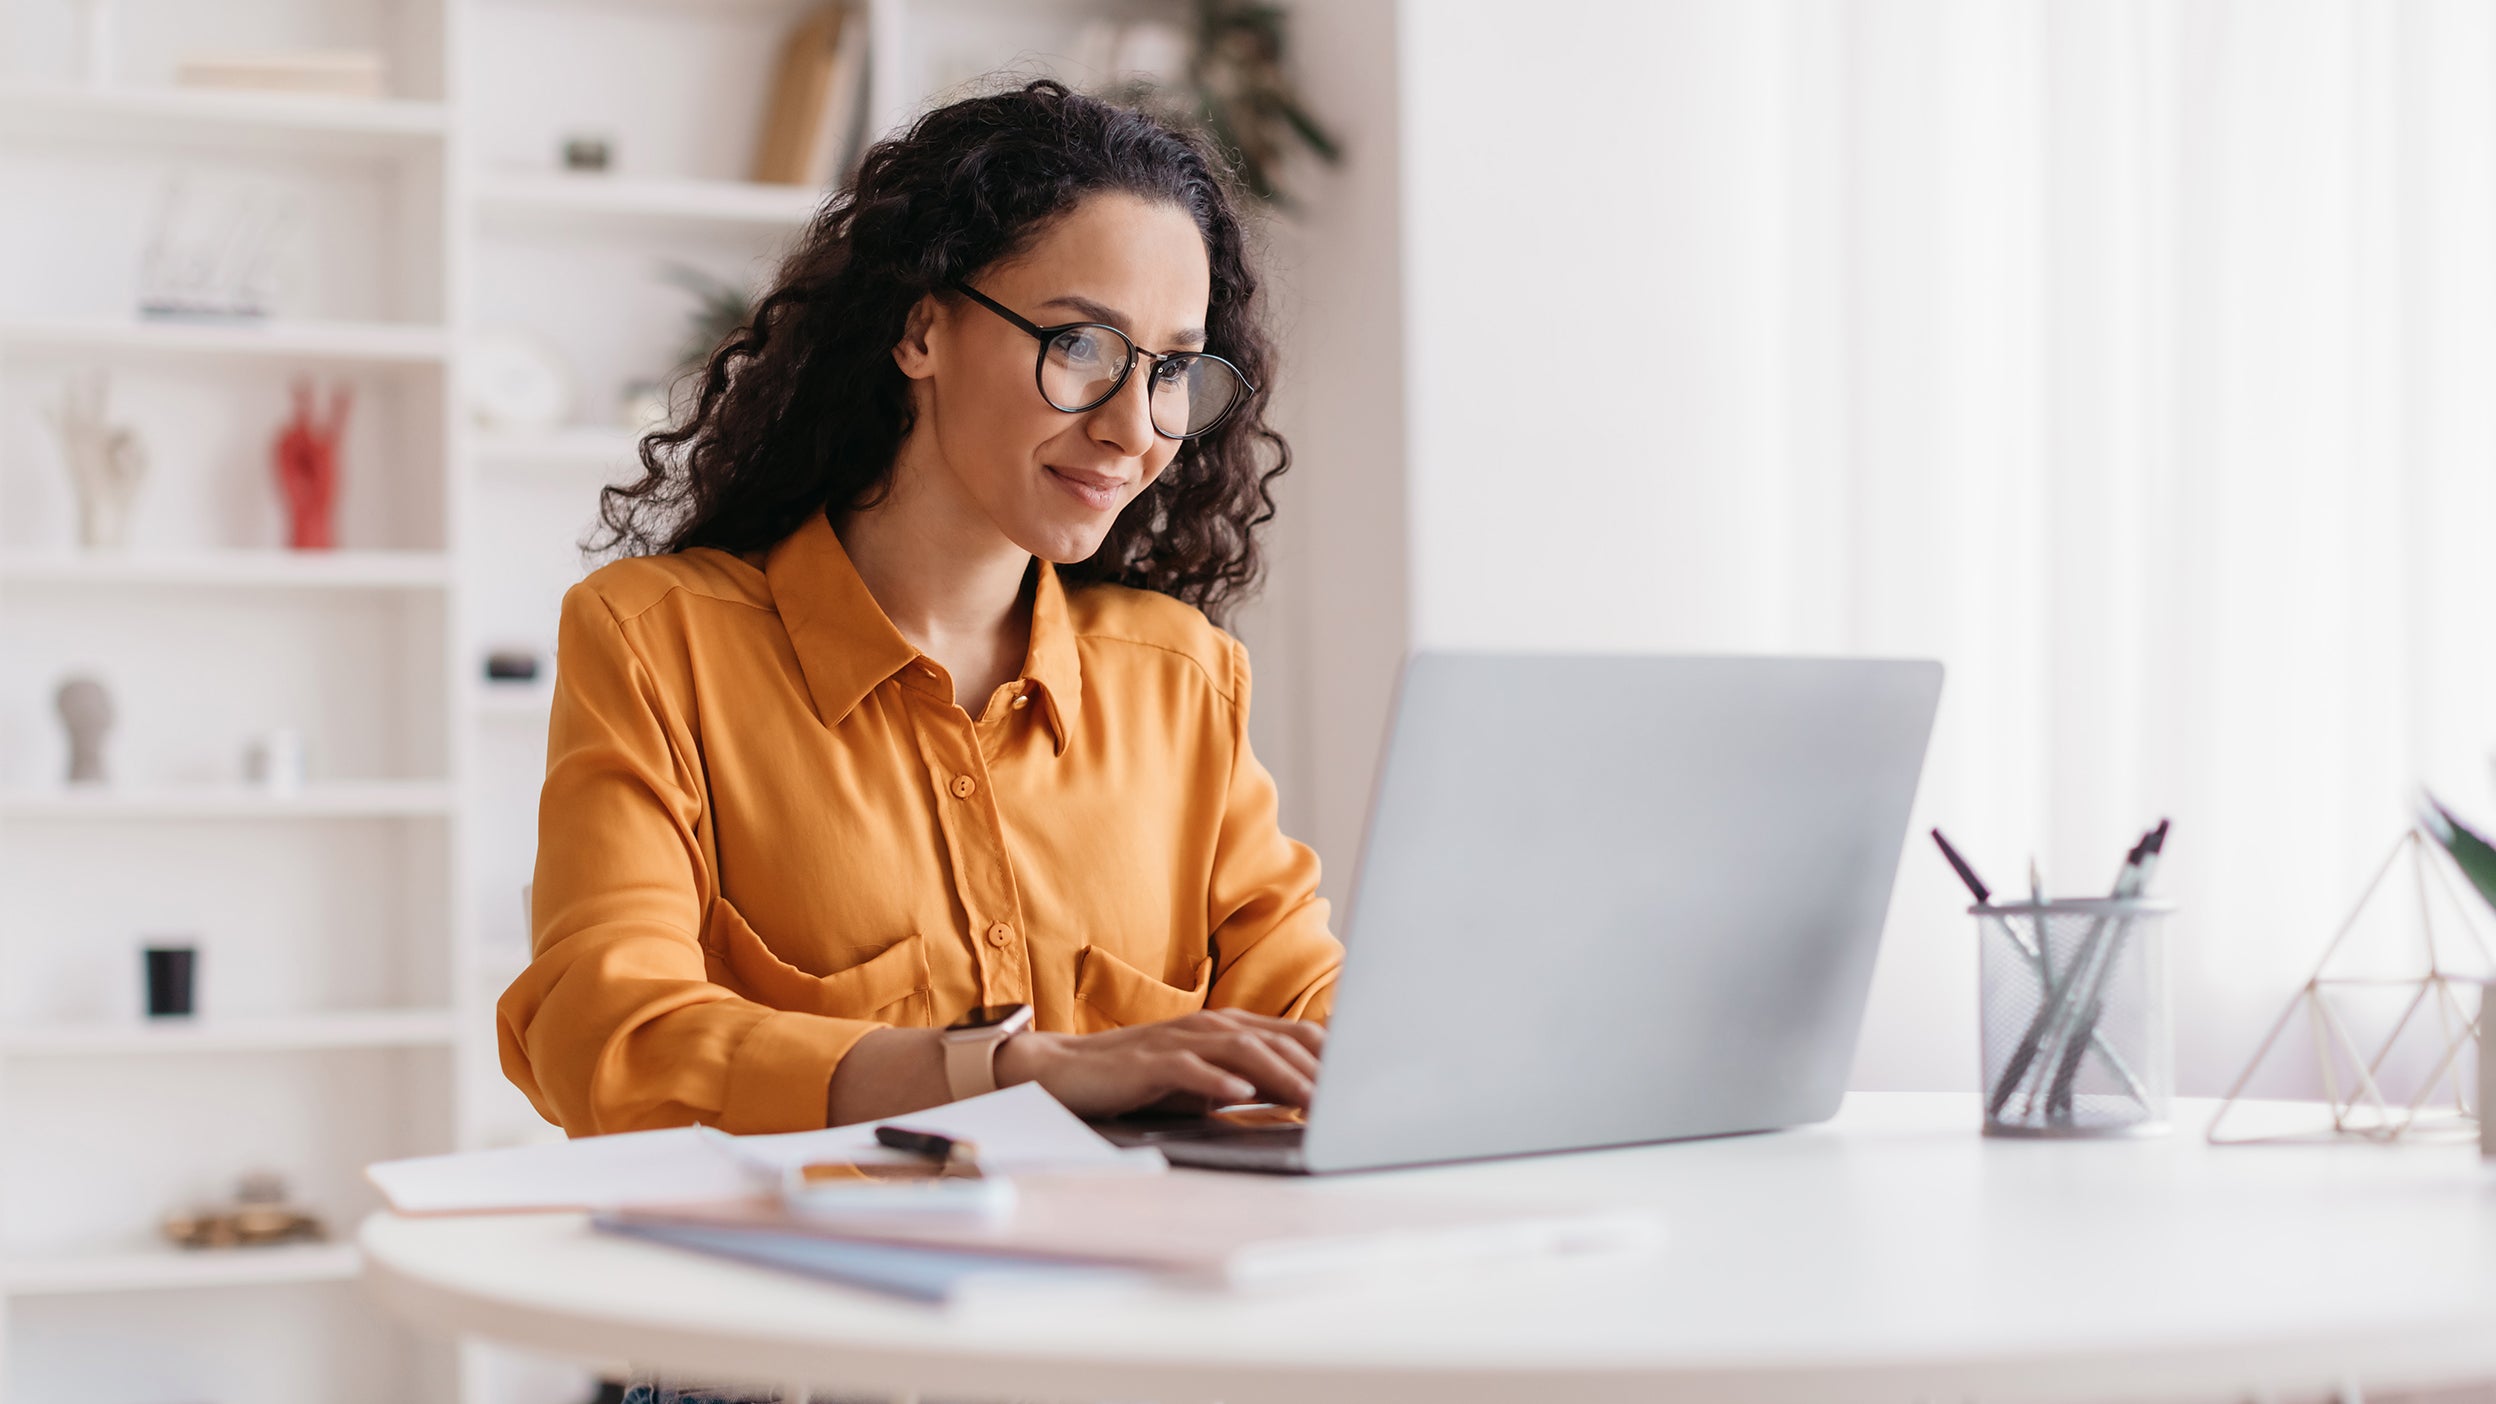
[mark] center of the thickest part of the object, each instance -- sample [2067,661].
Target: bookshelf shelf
[579,448]
[600,202]
[383,343]
[237,568]
[253,122]
[171,1268]
[371,1028]
[364,799]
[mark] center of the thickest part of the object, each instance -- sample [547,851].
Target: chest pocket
[1111,994]
[890,986]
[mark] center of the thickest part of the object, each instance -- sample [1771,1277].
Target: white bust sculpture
[87,713]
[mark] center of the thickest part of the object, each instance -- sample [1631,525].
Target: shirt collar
[847,646]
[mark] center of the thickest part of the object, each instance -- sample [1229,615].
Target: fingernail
[1239,1091]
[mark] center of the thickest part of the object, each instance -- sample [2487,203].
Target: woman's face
[1052,482]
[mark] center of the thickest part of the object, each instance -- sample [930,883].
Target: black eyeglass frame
[1135,354]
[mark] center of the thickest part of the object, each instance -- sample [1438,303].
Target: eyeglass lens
[1082,366]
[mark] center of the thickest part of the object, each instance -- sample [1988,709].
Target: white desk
[1892,1254]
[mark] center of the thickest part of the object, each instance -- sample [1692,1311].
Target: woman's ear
[911,353]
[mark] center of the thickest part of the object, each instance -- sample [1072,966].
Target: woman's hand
[1196,1061]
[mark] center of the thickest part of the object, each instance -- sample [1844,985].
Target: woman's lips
[1099,494]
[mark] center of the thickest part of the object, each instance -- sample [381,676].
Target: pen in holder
[2075,1017]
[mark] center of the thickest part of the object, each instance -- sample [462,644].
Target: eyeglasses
[1083,364]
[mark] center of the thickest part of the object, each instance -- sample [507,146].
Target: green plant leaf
[2472,854]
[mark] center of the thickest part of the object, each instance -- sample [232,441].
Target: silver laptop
[1602,901]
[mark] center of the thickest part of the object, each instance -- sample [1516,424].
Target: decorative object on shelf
[811,124]
[107,462]
[1235,88]
[643,406]
[512,380]
[348,73]
[2353,1077]
[586,152]
[217,260]
[511,665]
[86,708]
[306,459]
[720,307]
[258,1215]
[172,980]
[273,760]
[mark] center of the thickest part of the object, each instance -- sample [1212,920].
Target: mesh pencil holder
[2075,1020]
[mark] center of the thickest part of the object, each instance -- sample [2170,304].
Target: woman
[908,707]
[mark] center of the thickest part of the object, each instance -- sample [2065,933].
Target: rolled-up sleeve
[1274,952]
[615,1025]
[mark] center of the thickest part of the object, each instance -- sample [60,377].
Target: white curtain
[2139,360]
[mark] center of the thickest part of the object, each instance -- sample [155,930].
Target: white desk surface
[1890,1254]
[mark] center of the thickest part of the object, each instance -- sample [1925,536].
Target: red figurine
[307,468]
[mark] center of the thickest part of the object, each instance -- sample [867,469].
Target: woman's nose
[1125,420]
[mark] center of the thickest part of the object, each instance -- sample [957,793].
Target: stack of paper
[1081,1213]
[1188,1229]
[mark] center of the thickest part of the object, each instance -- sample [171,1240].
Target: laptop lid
[1606,900]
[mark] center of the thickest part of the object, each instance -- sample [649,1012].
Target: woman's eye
[1171,370]
[1081,346]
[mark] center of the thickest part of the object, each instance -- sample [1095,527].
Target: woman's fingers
[1309,1036]
[1182,1071]
[1259,1057]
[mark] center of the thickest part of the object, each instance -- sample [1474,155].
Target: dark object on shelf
[511,665]
[306,459]
[172,976]
[259,1214]
[587,153]
[1239,95]
[86,713]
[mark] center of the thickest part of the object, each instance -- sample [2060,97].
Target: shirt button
[1000,934]
[963,786]
[1022,701]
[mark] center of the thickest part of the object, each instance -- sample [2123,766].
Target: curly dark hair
[803,410]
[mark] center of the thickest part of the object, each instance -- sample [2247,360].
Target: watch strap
[971,1060]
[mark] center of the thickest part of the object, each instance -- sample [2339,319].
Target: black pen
[943,1149]
[1967,874]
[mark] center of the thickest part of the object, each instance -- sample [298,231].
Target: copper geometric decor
[2412,1083]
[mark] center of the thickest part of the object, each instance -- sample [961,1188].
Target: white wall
[1328,637]
[2114,353]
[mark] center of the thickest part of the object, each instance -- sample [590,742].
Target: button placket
[975,844]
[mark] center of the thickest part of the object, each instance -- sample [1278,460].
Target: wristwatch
[971,1044]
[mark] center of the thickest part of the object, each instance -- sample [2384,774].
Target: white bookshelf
[367,1028]
[280,124]
[263,569]
[364,924]
[600,202]
[330,799]
[304,341]
[170,1268]
[574,449]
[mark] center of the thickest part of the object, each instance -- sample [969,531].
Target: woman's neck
[949,581]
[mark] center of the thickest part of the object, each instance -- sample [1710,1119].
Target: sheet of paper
[677,1166]
[1016,1128]
[1019,1128]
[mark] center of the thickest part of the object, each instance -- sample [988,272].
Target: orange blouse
[766,830]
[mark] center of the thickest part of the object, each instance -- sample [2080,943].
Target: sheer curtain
[2139,360]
